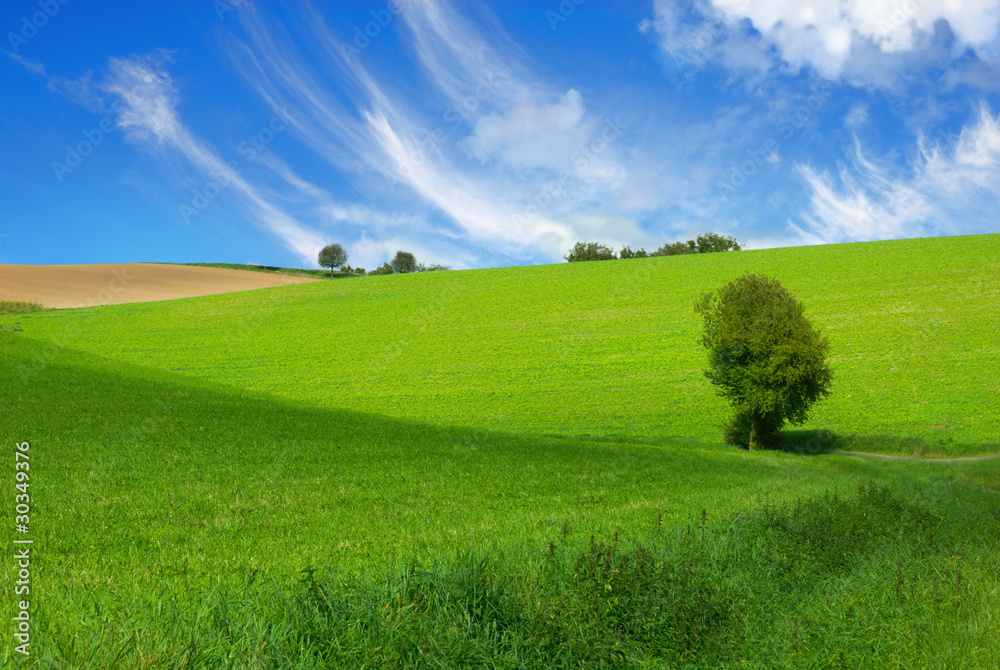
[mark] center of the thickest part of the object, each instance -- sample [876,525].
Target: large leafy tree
[332,256]
[764,356]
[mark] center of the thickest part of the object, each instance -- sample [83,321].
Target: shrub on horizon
[590,251]
[712,242]
[703,244]
[676,249]
[626,252]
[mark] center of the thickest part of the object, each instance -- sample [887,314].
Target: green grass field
[603,349]
[508,468]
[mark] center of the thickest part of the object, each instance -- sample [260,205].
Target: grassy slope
[600,349]
[268,484]
[297,478]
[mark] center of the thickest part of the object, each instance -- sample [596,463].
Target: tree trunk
[753,432]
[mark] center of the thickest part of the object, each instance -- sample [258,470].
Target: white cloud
[695,34]
[148,112]
[946,191]
[533,135]
[856,117]
[460,59]
[820,34]
[823,35]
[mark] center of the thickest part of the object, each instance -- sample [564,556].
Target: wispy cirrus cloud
[145,101]
[34,67]
[142,97]
[946,190]
[483,151]
[499,133]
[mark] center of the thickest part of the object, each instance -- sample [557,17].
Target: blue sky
[483,135]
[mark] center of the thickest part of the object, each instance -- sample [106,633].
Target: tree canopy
[332,256]
[764,356]
[703,244]
[404,262]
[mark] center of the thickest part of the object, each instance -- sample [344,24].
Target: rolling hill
[516,467]
[606,349]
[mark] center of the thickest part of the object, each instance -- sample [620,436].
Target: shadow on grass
[809,442]
[643,440]
[97,407]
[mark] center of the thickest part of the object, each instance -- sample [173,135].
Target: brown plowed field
[109,284]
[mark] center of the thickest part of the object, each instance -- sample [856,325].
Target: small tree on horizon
[764,356]
[332,256]
[404,262]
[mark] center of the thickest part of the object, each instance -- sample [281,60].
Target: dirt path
[930,459]
[107,284]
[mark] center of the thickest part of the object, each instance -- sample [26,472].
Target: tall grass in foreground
[866,582]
